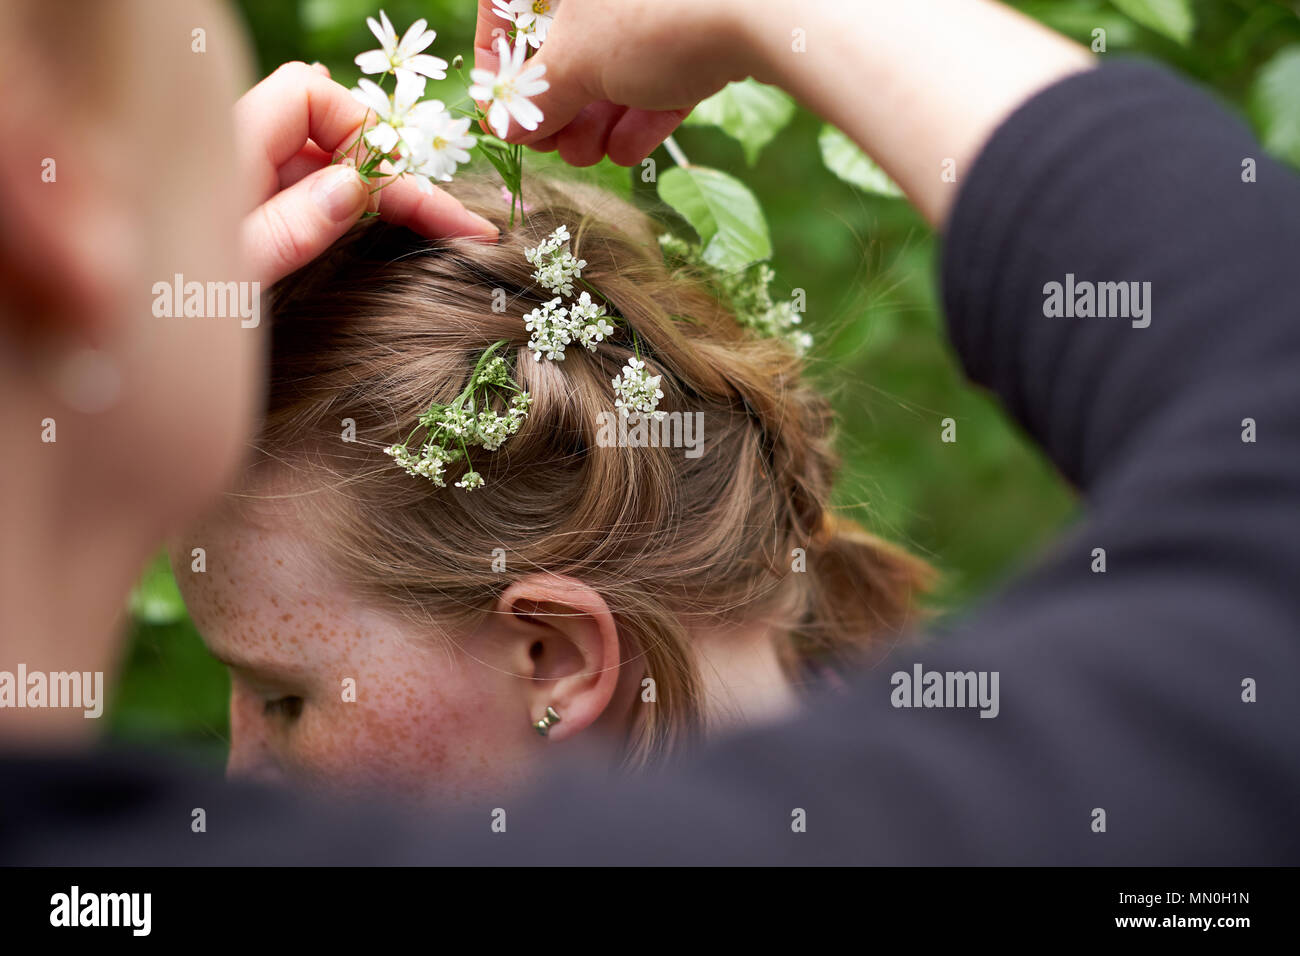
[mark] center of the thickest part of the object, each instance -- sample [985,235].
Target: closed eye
[286,708]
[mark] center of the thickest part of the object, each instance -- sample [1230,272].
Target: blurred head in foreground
[118,172]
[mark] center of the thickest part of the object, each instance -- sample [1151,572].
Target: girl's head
[385,631]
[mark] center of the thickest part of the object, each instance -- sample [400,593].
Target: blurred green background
[977,508]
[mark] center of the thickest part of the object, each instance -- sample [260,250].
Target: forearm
[915,83]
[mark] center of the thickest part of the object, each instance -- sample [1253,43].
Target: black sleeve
[1125,691]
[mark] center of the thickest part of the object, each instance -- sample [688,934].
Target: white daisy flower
[393,111]
[402,56]
[509,89]
[441,144]
[532,18]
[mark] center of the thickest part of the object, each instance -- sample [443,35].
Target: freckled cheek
[412,744]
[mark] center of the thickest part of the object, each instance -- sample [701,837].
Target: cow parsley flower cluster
[747,294]
[471,420]
[556,267]
[554,325]
[637,391]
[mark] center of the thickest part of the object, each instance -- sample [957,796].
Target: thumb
[297,224]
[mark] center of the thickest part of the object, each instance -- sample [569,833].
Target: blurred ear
[66,250]
[563,640]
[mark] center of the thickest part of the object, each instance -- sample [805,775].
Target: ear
[66,256]
[563,641]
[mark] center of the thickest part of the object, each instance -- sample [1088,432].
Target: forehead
[263,596]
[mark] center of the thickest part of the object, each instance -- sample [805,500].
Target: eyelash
[290,708]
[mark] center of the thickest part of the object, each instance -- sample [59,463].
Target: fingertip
[340,193]
[639,132]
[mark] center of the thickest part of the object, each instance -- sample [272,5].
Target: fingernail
[340,193]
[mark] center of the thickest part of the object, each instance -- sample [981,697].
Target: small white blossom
[532,18]
[470,480]
[404,56]
[587,320]
[492,429]
[459,421]
[558,272]
[519,408]
[509,89]
[550,245]
[637,392]
[551,331]
[396,111]
[440,145]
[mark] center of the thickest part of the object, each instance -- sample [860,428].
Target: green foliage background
[977,508]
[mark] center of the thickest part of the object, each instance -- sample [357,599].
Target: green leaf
[842,157]
[749,112]
[1275,104]
[1173,18]
[1078,20]
[722,211]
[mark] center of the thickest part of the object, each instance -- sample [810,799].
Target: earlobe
[544,725]
[569,639]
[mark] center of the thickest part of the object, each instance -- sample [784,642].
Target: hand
[623,73]
[288,127]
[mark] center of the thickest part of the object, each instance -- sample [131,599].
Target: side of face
[328,693]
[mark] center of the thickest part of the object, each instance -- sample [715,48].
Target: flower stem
[675,152]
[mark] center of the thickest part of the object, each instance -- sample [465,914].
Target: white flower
[532,18]
[492,429]
[636,392]
[558,274]
[598,332]
[440,145]
[459,421]
[404,56]
[587,320]
[509,89]
[585,309]
[551,330]
[394,111]
[551,244]
[556,266]
[470,481]
[519,408]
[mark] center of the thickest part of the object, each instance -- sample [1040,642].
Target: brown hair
[387,323]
